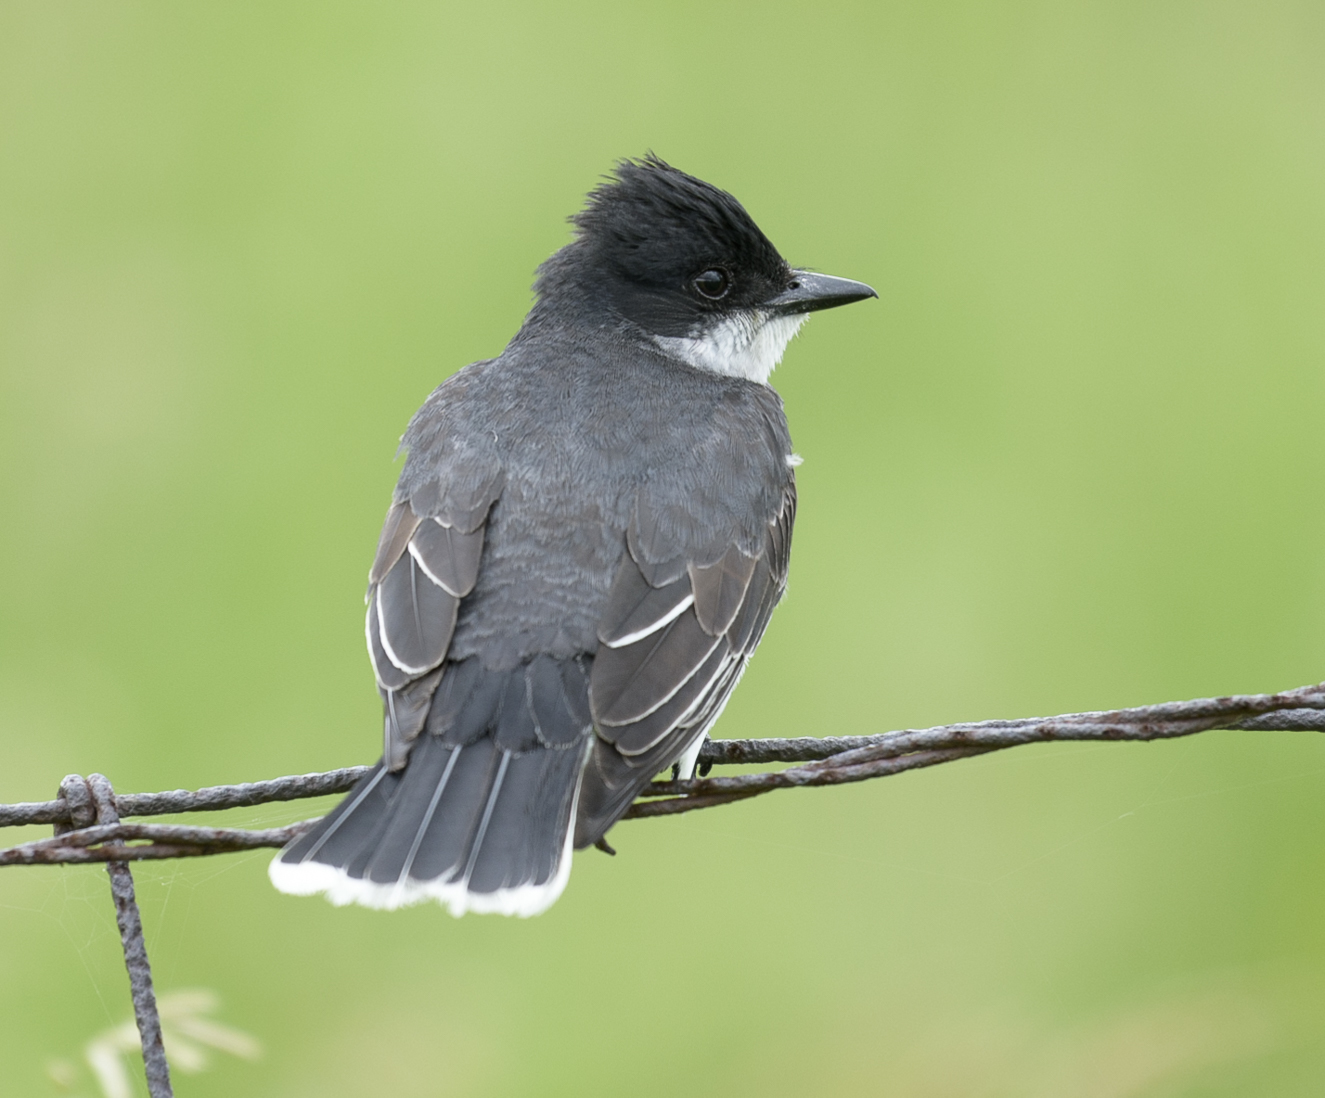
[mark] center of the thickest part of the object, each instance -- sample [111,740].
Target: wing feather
[635,608]
[389,676]
[630,682]
[399,527]
[425,564]
[653,694]
[449,556]
[647,547]
[720,589]
[646,733]
[416,617]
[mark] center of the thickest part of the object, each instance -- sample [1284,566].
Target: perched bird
[587,540]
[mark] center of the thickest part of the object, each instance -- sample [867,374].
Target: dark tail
[480,816]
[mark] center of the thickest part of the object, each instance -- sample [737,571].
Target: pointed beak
[810,292]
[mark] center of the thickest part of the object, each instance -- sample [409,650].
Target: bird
[586,542]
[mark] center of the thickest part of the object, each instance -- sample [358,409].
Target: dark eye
[713,284]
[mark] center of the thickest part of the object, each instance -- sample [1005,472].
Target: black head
[674,254]
[671,249]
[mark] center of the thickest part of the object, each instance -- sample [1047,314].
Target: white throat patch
[748,345]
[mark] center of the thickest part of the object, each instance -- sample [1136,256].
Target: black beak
[809,292]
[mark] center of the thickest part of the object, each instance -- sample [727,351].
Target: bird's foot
[684,767]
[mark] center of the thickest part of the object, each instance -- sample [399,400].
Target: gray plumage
[585,545]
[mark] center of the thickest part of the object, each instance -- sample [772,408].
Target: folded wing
[427,561]
[674,640]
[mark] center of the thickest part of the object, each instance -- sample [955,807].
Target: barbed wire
[88,826]
[824,761]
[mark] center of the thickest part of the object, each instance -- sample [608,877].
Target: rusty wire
[823,761]
[87,825]
[91,801]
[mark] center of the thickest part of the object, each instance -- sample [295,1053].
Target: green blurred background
[1072,459]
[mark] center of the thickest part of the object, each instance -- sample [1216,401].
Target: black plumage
[584,548]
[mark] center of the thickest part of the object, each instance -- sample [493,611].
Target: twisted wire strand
[820,761]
